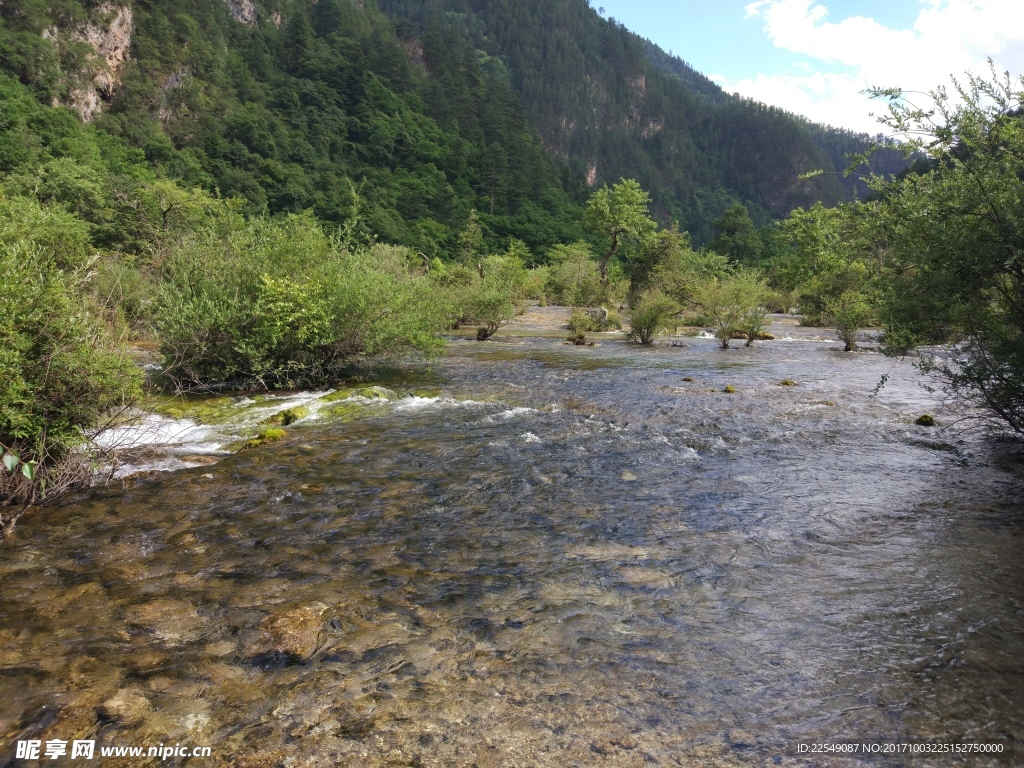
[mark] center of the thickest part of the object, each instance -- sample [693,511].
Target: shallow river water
[540,555]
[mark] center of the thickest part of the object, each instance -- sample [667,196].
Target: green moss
[730,389]
[787,383]
[202,409]
[370,393]
[288,417]
[927,420]
[266,435]
[345,411]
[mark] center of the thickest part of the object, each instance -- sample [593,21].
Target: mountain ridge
[427,110]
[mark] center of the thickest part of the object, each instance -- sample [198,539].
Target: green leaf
[11,461]
[29,470]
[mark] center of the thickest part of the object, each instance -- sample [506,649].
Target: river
[532,554]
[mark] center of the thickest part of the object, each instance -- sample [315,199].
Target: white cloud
[948,38]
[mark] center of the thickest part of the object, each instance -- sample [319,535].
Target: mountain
[612,104]
[416,112]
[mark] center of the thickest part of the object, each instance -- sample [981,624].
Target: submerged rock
[787,383]
[127,707]
[294,633]
[172,621]
[730,389]
[927,420]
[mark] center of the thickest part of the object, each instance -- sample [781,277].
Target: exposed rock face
[243,11]
[414,51]
[110,39]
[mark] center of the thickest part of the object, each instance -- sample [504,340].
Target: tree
[650,316]
[734,305]
[618,213]
[849,312]
[471,241]
[737,237]
[669,246]
[574,279]
[956,232]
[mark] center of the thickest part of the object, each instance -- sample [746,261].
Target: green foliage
[59,372]
[837,250]
[574,279]
[618,214]
[683,271]
[492,306]
[733,305]
[652,313]
[617,106]
[737,237]
[494,300]
[581,322]
[283,304]
[471,241]
[849,312]
[663,250]
[955,232]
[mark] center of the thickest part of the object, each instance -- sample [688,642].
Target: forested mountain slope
[290,108]
[613,104]
[515,109]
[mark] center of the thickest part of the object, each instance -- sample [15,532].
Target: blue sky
[815,57]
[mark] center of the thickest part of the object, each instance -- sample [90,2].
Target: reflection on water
[563,556]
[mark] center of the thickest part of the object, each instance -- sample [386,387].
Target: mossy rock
[787,383]
[429,392]
[377,393]
[687,378]
[288,417]
[369,393]
[764,336]
[926,420]
[349,411]
[730,390]
[266,435]
[202,409]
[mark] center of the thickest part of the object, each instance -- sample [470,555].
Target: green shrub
[849,313]
[614,320]
[281,304]
[652,314]
[734,306]
[574,279]
[59,373]
[581,322]
[491,306]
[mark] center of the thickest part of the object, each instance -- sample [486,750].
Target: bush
[581,322]
[59,372]
[734,306]
[281,304]
[651,315]
[574,279]
[849,312]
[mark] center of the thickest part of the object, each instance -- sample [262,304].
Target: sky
[815,58]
